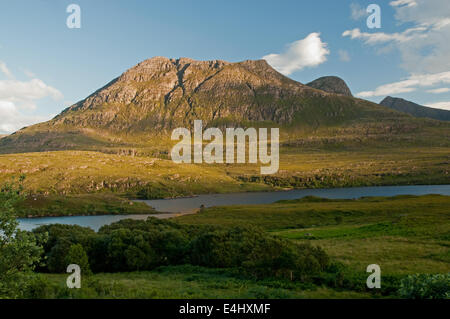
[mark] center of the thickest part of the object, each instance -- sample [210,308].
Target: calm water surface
[187,205]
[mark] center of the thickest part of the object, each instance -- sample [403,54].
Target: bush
[425,286]
[77,255]
[257,253]
[60,239]
[56,257]
[39,288]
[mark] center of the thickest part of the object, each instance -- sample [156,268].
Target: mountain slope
[331,84]
[141,107]
[415,109]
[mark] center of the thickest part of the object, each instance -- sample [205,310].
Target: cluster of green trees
[131,245]
[20,251]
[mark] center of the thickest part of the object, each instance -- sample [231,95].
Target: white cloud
[412,83]
[4,69]
[439,105]
[407,3]
[308,52]
[381,37]
[358,12]
[17,98]
[27,92]
[344,56]
[11,119]
[424,43]
[438,91]
[28,73]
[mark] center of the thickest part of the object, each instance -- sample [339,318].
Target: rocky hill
[415,109]
[143,105]
[331,84]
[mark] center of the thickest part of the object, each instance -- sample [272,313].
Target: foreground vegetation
[403,234]
[185,282]
[306,248]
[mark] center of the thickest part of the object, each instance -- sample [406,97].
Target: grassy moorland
[405,235]
[79,205]
[72,173]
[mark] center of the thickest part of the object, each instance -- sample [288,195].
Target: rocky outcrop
[331,84]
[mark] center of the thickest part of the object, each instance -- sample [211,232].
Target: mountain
[415,109]
[138,109]
[331,84]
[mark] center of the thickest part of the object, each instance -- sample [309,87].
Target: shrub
[425,286]
[257,253]
[77,255]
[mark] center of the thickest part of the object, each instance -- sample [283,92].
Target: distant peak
[331,84]
[415,109]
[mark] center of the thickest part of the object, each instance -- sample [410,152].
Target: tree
[20,251]
[77,255]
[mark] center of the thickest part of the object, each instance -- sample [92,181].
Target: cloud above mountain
[357,11]
[411,84]
[440,105]
[18,100]
[423,45]
[308,52]
[12,119]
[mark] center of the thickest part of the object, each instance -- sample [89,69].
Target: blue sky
[45,66]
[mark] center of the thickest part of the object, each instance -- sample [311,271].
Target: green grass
[78,172]
[81,172]
[77,205]
[403,234]
[188,282]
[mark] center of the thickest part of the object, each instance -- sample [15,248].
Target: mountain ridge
[150,99]
[415,109]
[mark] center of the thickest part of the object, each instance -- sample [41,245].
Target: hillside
[117,140]
[415,109]
[331,84]
[137,110]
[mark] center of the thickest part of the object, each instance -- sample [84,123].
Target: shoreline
[168,214]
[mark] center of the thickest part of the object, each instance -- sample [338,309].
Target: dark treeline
[131,245]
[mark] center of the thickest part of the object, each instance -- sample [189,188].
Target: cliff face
[415,109]
[331,84]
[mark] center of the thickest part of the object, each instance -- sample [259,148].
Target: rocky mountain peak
[331,84]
